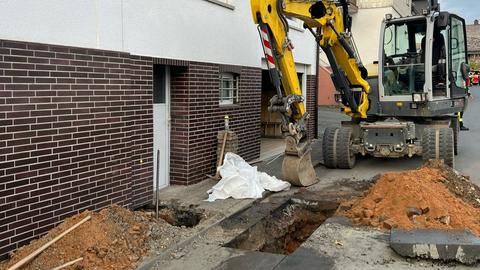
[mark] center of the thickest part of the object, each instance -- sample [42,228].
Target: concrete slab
[252,260]
[451,245]
[305,258]
[197,194]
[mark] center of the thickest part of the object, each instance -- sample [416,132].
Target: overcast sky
[468,9]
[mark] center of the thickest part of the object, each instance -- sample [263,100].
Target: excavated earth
[433,196]
[114,238]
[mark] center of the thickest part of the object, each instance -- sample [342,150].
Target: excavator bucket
[298,169]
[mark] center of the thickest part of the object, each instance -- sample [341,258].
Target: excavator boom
[330,23]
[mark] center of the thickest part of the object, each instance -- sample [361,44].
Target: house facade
[473,43]
[93,92]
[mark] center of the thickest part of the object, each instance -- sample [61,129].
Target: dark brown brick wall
[197,116]
[75,134]
[312,106]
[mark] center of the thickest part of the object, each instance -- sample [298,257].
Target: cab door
[457,56]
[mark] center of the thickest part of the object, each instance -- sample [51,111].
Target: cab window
[404,61]
[457,50]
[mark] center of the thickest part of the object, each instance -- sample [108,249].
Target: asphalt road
[467,161]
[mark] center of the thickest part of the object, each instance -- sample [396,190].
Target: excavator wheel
[438,144]
[329,147]
[455,125]
[337,148]
[345,156]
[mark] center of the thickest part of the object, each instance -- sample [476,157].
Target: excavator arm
[334,37]
[330,23]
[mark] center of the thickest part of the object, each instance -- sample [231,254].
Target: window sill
[228,106]
[222,4]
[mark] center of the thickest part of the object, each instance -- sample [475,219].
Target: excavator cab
[420,88]
[422,58]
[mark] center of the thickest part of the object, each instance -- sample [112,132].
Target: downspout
[317,77]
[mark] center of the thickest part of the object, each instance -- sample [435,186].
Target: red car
[474,77]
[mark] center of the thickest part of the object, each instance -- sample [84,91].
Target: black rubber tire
[345,156]
[445,145]
[455,125]
[328,147]
[428,144]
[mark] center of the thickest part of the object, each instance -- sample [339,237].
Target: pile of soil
[434,196]
[114,238]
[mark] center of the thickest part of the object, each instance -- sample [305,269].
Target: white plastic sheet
[242,181]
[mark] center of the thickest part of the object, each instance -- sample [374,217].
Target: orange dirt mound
[423,198]
[114,238]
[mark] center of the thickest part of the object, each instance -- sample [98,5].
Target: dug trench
[185,217]
[283,224]
[270,229]
[284,230]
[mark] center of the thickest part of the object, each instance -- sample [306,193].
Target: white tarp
[242,181]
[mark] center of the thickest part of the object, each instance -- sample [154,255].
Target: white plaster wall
[403,7]
[82,23]
[195,30]
[366,31]
[202,31]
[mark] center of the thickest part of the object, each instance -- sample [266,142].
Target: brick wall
[312,107]
[197,116]
[75,134]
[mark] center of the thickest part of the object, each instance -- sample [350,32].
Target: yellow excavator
[417,88]
[333,24]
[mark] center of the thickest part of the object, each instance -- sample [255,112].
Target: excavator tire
[345,156]
[329,147]
[455,125]
[438,144]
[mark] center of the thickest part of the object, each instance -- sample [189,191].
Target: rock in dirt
[413,211]
[389,224]
[178,255]
[444,220]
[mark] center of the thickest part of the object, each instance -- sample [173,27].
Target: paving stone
[446,245]
[305,258]
[252,260]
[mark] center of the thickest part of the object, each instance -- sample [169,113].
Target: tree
[474,64]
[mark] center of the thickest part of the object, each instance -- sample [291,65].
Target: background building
[90,90]
[473,44]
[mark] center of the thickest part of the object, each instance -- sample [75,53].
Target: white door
[161,125]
